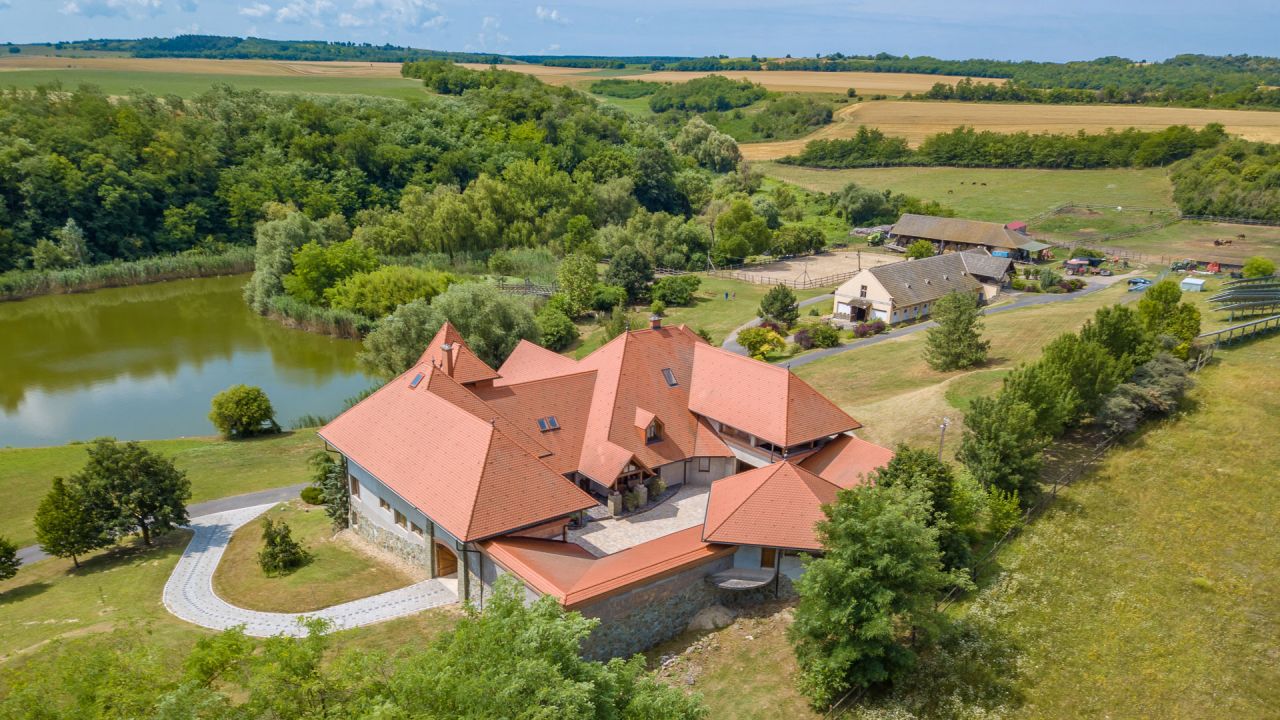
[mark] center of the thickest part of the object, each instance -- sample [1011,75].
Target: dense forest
[220,47]
[966,147]
[1235,179]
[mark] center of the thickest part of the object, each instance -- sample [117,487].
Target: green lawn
[337,573]
[635,106]
[217,468]
[710,312]
[993,194]
[122,82]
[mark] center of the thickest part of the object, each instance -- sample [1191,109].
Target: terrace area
[605,535]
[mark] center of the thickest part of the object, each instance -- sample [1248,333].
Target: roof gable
[847,461]
[765,400]
[459,361]
[773,506]
[911,282]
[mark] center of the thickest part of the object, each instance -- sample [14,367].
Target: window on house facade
[416,530]
[382,503]
[401,520]
[670,377]
[355,485]
[704,464]
[863,291]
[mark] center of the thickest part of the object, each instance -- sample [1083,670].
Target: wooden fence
[804,283]
[528,288]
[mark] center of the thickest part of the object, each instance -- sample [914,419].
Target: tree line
[966,147]
[1015,91]
[219,47]
[1235,179]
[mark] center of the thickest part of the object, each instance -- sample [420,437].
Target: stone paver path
[189,592]
[681,511]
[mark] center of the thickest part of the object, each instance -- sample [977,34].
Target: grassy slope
[122,82]
[335,574]
[1152,591]
[1009,194]
[217,468]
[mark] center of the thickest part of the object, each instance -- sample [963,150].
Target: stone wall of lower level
[373,528]
[641,618]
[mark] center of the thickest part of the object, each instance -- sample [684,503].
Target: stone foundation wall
[371,528]
[644,617]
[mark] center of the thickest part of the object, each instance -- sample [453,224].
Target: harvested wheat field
[916,120]
[201,66]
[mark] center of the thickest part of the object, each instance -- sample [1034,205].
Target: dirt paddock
[813,267]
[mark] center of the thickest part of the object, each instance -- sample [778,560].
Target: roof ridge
[484,464]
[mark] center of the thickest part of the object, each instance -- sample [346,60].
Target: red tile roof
[765,400]
[534,362]
[575,577]
[463,471]
[567,398]
[773,506]
[466,366]
[847,461]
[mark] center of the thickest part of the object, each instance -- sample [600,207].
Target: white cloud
[255,10]
[547,14]
[304,11]
[111,8]
[406,14]
[490,36]
[347,20]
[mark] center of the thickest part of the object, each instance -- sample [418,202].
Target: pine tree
[280,553]
[9,562]
[956,342]
[780,306]
[66,524]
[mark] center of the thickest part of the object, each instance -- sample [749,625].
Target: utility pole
[942,436]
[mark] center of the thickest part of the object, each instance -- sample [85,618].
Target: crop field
[190,77]
[916,120]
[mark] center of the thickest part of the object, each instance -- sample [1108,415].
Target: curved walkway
[189,592]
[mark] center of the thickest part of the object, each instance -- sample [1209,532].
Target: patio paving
[681,511]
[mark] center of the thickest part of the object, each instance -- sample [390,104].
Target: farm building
[956,234]
[1192,284]
[907,290]
[476,473]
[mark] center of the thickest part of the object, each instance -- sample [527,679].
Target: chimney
[655,322]
[447,351]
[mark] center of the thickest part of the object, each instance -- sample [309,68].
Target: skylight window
[416,379]
[670,377]
[548,423]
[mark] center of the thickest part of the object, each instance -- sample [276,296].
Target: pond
[143,362]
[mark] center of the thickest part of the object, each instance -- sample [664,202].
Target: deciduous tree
[921,249]
[631,270]
[1258,266]
[134,489]
[243,411]
[868,603]
[9,563]
[577,278]
[1002,447]
[67,525]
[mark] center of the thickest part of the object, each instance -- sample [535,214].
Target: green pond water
[143,362]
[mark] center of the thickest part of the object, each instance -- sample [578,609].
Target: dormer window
[653,432]
[549,423]
[670,377]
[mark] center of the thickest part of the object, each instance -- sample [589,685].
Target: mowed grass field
[998,195]
[916,120]
[217,468]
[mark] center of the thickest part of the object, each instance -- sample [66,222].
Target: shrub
[243,411]
[1018,284]
[657,307]
[607,297]
[760,341]
[1049,277]
[803,339]
[1004,512]
[676,289]
[771,325]
[557,330]
[824,336]
[630,501]
[312,495]
[813,312]
[657,486]
[280,554]
[1258,266]
[920,249]
[9,562]
[862,330]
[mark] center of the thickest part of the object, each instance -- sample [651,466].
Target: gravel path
[189,592]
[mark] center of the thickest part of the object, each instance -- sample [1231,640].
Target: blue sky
[1002,29]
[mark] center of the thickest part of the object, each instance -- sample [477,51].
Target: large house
[477,473]
[907,290]
[956,234]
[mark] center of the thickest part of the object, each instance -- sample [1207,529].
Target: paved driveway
[189,592]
